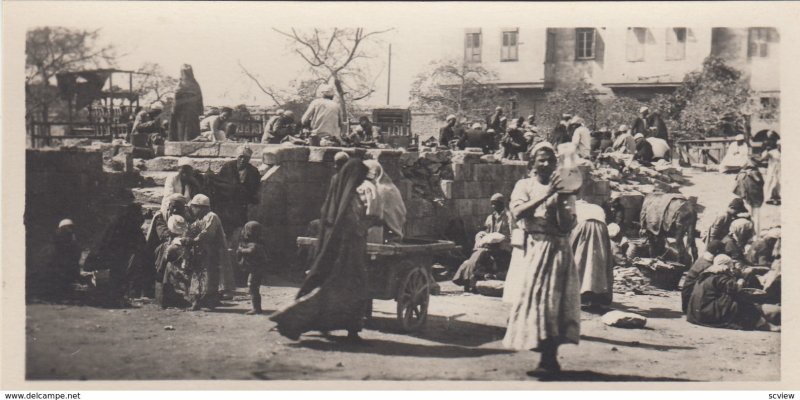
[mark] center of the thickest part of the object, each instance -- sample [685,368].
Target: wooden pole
[389,77]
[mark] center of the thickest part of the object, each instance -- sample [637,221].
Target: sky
[214,39]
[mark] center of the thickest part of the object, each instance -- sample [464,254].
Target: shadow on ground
[650,346]
[446,330]
[592,376]
[654,312]
[391,348]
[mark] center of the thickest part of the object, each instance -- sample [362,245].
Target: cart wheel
[412,300]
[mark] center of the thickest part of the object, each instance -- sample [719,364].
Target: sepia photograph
[215,192]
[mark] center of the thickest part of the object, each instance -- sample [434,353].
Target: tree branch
[268,92]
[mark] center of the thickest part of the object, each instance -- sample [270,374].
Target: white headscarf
[391,207]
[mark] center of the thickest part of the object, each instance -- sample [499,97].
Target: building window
[550,48]
[759,40]
[584,43]
[472,46]
[769,108]
[510,49]
[637,38]
[513,108]
[676,43]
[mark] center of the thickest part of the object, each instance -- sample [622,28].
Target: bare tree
[153,84]
[50,50]
[457,87]
[337,55]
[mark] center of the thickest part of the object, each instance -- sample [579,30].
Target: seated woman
[719,301]
[158,238]
[485,263]
[741,231]
[389,206]
[173,265]
[762,251]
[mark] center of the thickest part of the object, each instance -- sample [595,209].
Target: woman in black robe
[120,250]
[184,124]
[334,293]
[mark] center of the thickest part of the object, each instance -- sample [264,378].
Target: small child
[252,258]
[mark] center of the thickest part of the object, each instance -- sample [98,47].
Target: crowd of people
[554,252]
[646,140]
[322,123]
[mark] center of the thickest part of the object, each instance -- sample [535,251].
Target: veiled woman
[391,208]
[334,294]
[545,295]
[158,238]
[591,247]
[184,124]
[120,251]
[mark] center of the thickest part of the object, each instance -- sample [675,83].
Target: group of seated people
[736,282]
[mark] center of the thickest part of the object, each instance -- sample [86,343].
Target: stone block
[230,149]
[480,190]
[465,157]
[327,154]
[419,208]
[488,172]
[463,172]
[442,156]
[409,158]
[466,207]
[148,195]
[447,188]
[492,288]
[385,155]
[622,319]
[192,149]
[288,153]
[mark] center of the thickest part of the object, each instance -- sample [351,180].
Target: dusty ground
[462,339]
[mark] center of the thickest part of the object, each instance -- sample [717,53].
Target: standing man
[236,186]
[581,138]
[640,125]
[561,132]
[212,128]
[448,133]
[323,116]
[497,121]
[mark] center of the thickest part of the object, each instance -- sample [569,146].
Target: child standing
[252,258]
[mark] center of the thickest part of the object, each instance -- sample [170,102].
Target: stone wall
[68,183]
[446,193]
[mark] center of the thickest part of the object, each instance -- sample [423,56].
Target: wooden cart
[401,272]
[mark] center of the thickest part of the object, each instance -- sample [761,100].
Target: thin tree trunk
[340,92]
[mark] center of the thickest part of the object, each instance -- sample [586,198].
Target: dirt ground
[462,339]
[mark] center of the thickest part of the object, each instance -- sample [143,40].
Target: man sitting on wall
[212,128]
[736,157]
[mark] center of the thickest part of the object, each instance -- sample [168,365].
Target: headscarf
[171,200]
[188,91]
[721,263]
[392,207]
[330,241]
[741,230]
[252,232]
[177,225]
[737,205]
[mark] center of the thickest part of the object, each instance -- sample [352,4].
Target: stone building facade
[637,62]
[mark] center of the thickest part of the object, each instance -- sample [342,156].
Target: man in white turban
[323,116]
